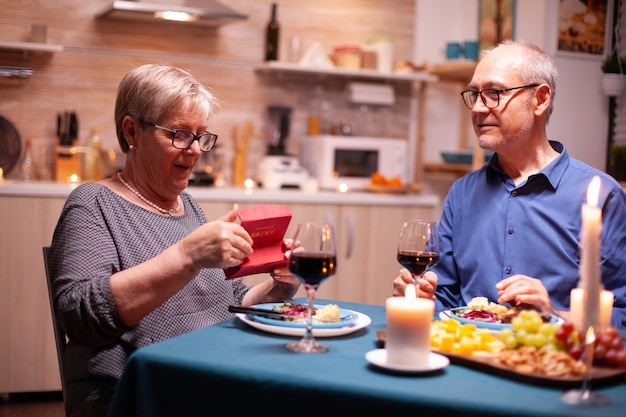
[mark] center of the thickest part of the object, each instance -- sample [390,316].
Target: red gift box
[266,225]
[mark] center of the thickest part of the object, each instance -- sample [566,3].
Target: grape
[612,331]
[568,327]
[517,323]
[610,358]
[576,352]
[547,329]
[605,340]
[540,340]
[510,342]
[505,333]
[617,344]
[561,334]
[599,353]
[609,349]
[534,323]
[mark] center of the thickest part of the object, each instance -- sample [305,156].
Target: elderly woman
[134,260]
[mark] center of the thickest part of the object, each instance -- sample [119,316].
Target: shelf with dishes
[362,74]
[22,49]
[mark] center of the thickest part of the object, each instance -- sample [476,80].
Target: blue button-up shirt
[491,229]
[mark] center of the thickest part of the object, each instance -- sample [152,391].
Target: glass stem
[310,293]
[586,384]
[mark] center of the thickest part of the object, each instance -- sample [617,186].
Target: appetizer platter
[530,351]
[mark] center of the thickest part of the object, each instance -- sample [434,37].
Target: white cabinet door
[28,359]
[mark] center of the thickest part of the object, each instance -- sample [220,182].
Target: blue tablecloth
[231,366]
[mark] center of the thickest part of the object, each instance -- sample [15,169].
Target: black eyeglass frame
[209,143]
[471,96]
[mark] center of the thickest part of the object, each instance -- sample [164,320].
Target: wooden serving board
[600,376]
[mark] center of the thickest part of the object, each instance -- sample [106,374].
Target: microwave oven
[333,160]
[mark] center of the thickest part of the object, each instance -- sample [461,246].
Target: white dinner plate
[361,322]
[449,314]
[346,317]
[378,357]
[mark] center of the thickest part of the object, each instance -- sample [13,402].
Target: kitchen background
[98,52]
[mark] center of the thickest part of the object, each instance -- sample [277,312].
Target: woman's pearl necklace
[171,212]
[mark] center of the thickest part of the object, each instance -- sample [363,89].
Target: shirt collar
[551,173]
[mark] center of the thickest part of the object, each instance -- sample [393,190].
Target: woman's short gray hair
[152,91]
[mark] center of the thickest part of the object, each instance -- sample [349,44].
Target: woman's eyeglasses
[182,139]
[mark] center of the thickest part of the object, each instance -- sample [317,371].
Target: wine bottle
[271,37]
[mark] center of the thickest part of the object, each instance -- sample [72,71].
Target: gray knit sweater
[98,234]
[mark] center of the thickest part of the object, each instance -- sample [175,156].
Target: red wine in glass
[418,247]
[312,267]
[417,262]
[313,260]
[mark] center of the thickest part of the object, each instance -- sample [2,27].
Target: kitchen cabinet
[28,361]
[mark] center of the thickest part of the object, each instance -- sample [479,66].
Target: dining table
[244,370]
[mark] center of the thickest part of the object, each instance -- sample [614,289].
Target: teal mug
[453,50]
[470,50]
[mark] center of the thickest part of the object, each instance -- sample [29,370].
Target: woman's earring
[131,147]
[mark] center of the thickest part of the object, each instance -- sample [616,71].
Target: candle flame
[593,191]
[590,336]
[409,292]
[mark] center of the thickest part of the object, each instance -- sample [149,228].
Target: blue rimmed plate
[347,317]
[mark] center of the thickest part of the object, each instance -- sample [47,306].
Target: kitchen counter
[242,195]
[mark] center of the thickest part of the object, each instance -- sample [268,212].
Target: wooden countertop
[234,194]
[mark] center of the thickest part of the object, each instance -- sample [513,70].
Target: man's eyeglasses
[489,96]
[182,139]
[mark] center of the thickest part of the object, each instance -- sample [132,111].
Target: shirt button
[514,193]
[510,230]
[508,270]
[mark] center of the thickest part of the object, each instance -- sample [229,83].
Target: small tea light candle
[408,329]
[343,188]
[249,185]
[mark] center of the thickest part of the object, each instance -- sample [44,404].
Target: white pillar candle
[606,309]
[590,255]
[408,329]
[576,307]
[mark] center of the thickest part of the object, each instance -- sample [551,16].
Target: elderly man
[510,231]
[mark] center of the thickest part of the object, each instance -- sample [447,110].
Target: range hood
[192,12]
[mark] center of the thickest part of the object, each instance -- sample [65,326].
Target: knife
[261,312]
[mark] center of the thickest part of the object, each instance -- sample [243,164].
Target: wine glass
[312,261]
[418,247]
[583,395]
